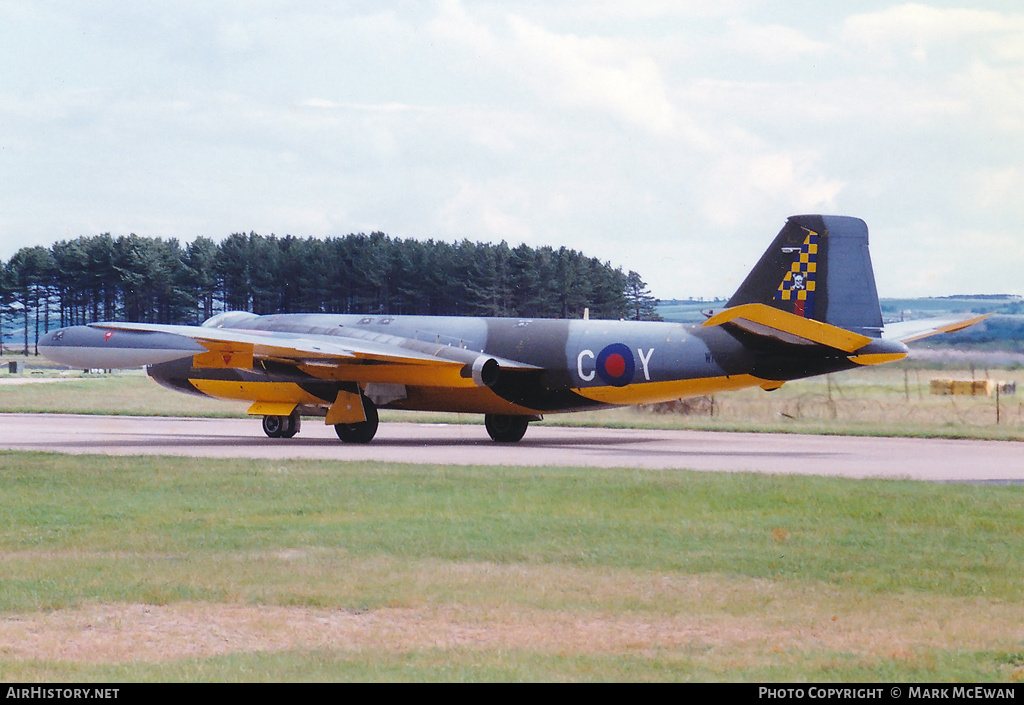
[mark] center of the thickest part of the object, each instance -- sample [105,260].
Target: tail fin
[818,268]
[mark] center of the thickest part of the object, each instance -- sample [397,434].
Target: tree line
[155,280]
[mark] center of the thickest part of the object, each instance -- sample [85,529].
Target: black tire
[273,426]
[362,432]
[506,429]
[294,423]
[282,426]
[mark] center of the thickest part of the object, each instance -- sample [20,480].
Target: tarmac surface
[450,444]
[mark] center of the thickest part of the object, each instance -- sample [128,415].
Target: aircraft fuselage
[572,364]
[808,307]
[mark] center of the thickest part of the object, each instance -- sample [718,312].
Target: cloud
[772,43]
[591,72]
[495,206]
[584,73]
[670,137]
[915,65]
[994,94]
[791,182]
[917,29]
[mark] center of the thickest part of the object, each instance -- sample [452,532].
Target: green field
[129,569]
[174,569]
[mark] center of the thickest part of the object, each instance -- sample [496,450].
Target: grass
[168,569]
[164,569]
[885,401]
[122,393]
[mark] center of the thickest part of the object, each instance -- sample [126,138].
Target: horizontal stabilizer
[909,331]
[766,321]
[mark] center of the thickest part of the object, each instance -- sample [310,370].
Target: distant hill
[1002,304]
[687,310]
[1004,331]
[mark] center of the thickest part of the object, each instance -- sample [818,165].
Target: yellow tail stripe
[653,392]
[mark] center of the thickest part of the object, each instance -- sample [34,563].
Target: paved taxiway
[923,459]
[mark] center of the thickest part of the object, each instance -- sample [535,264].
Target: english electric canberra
[809,307]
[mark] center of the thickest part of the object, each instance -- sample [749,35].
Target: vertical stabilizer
[818,267]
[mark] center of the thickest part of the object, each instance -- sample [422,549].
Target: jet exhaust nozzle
[485,371]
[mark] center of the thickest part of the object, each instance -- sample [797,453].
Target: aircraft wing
[380,358]
[269,344]
[909,331]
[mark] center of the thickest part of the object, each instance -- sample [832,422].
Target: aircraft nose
[53,339]
[73,336]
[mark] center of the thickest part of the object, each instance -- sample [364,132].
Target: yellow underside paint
[273,398]
[264,408]
[280,398]
[474,400]
[804,328]
[440,374]
[361,368]
[224,355]
[653,392]
[262,392]
[877,358]
[347,408]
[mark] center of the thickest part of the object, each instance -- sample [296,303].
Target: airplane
[808,307]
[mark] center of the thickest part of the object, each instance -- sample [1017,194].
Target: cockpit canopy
[229,319]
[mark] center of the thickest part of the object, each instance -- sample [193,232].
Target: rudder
[819,268]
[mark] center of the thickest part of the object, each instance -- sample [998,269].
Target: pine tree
[642,306]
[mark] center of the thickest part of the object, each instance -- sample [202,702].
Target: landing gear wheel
[282,426]
[362,432]
[506,429]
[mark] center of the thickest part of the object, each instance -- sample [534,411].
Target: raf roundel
[615,365]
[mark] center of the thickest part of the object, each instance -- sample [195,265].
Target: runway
[449,444]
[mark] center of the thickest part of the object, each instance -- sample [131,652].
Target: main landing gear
[362,432]
[501,428]
[506,429]
[282,426]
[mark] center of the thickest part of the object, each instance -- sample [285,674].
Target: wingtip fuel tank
[90,347]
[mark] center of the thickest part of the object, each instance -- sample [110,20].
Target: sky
[669,137]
